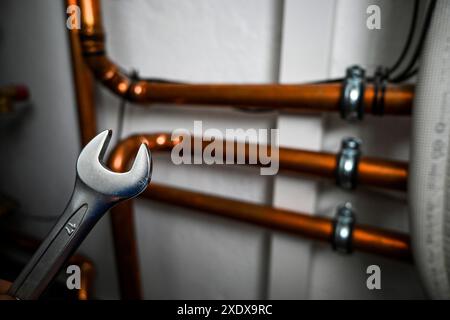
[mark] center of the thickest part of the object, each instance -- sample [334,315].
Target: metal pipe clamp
[343,225]
[352,95]
[347,163]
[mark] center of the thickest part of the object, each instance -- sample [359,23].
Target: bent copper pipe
[371,171]
[291,98]
[365,238]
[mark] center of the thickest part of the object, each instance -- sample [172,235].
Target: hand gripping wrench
[96,190]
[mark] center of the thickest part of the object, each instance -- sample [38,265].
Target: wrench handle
[79,217]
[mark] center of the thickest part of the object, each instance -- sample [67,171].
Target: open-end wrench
[96,190]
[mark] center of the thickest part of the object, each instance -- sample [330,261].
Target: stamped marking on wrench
[70,228]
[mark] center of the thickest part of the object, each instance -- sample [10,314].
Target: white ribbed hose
[429,172]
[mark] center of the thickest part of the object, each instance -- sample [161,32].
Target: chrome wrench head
[96,176]
[96,190]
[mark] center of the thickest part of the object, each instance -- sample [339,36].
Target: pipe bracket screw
[343,225]
[352,95]
[347,163]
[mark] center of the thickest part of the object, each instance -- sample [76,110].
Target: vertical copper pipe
[126,254]
[83,83]
[125,245]
[87,276]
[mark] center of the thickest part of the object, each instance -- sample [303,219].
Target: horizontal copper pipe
[365,238]
[31,244]
[383,173]
[371,171]
[315,98]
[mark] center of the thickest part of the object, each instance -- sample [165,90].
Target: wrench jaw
[94,174]
[96,190]
[142,167]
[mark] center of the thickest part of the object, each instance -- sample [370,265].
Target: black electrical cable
[408,71]
[400,58]
[408,42]
[332,80]
[381,77]
[404,75]
[160,80]
[410,74]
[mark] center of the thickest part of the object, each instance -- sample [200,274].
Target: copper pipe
[84,85]
[383,173]
[30,244]
[84,90]
[365,238]
[10,94]
[87,271]
[371,171]
[125,248]
[15,92]
[292,98]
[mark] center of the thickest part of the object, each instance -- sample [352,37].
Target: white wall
[185,254]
